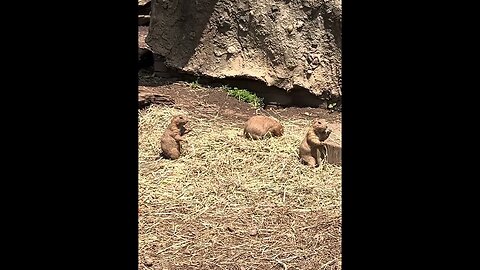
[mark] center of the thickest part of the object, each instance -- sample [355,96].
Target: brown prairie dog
[312,144]
[173,135]
[258,126]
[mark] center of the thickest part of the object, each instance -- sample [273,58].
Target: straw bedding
[234,203]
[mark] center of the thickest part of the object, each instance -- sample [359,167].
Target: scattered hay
[233,203]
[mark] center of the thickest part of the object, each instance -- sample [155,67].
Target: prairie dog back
[259,125]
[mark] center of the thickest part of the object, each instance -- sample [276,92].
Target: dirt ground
[214,101]
[193,222]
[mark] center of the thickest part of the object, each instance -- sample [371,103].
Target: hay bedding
[233,203]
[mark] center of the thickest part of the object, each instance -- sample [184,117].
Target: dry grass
[233,203]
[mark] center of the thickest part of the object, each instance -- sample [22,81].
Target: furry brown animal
[173,135]
[313,144]
[258,126]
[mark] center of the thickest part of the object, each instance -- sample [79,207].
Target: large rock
[288,44]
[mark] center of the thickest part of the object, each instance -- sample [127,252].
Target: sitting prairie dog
[258,126]
[173,135]
[312,144]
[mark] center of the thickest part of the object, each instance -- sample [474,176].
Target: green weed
[244,95]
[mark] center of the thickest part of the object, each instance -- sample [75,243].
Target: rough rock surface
[284,43]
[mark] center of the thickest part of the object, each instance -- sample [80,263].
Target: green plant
[244,95]
[195,84]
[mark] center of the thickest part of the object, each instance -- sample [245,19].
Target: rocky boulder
[284,43]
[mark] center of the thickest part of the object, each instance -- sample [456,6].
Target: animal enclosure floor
[228,202]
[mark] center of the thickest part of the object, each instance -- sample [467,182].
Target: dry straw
[233,203]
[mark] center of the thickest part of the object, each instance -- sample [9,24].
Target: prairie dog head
[320,127]
[277,129]
[179,120]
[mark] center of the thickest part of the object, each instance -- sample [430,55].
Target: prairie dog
[258,126]
[173,135]
[313,144]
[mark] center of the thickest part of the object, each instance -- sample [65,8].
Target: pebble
[148,261]
[231,49]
